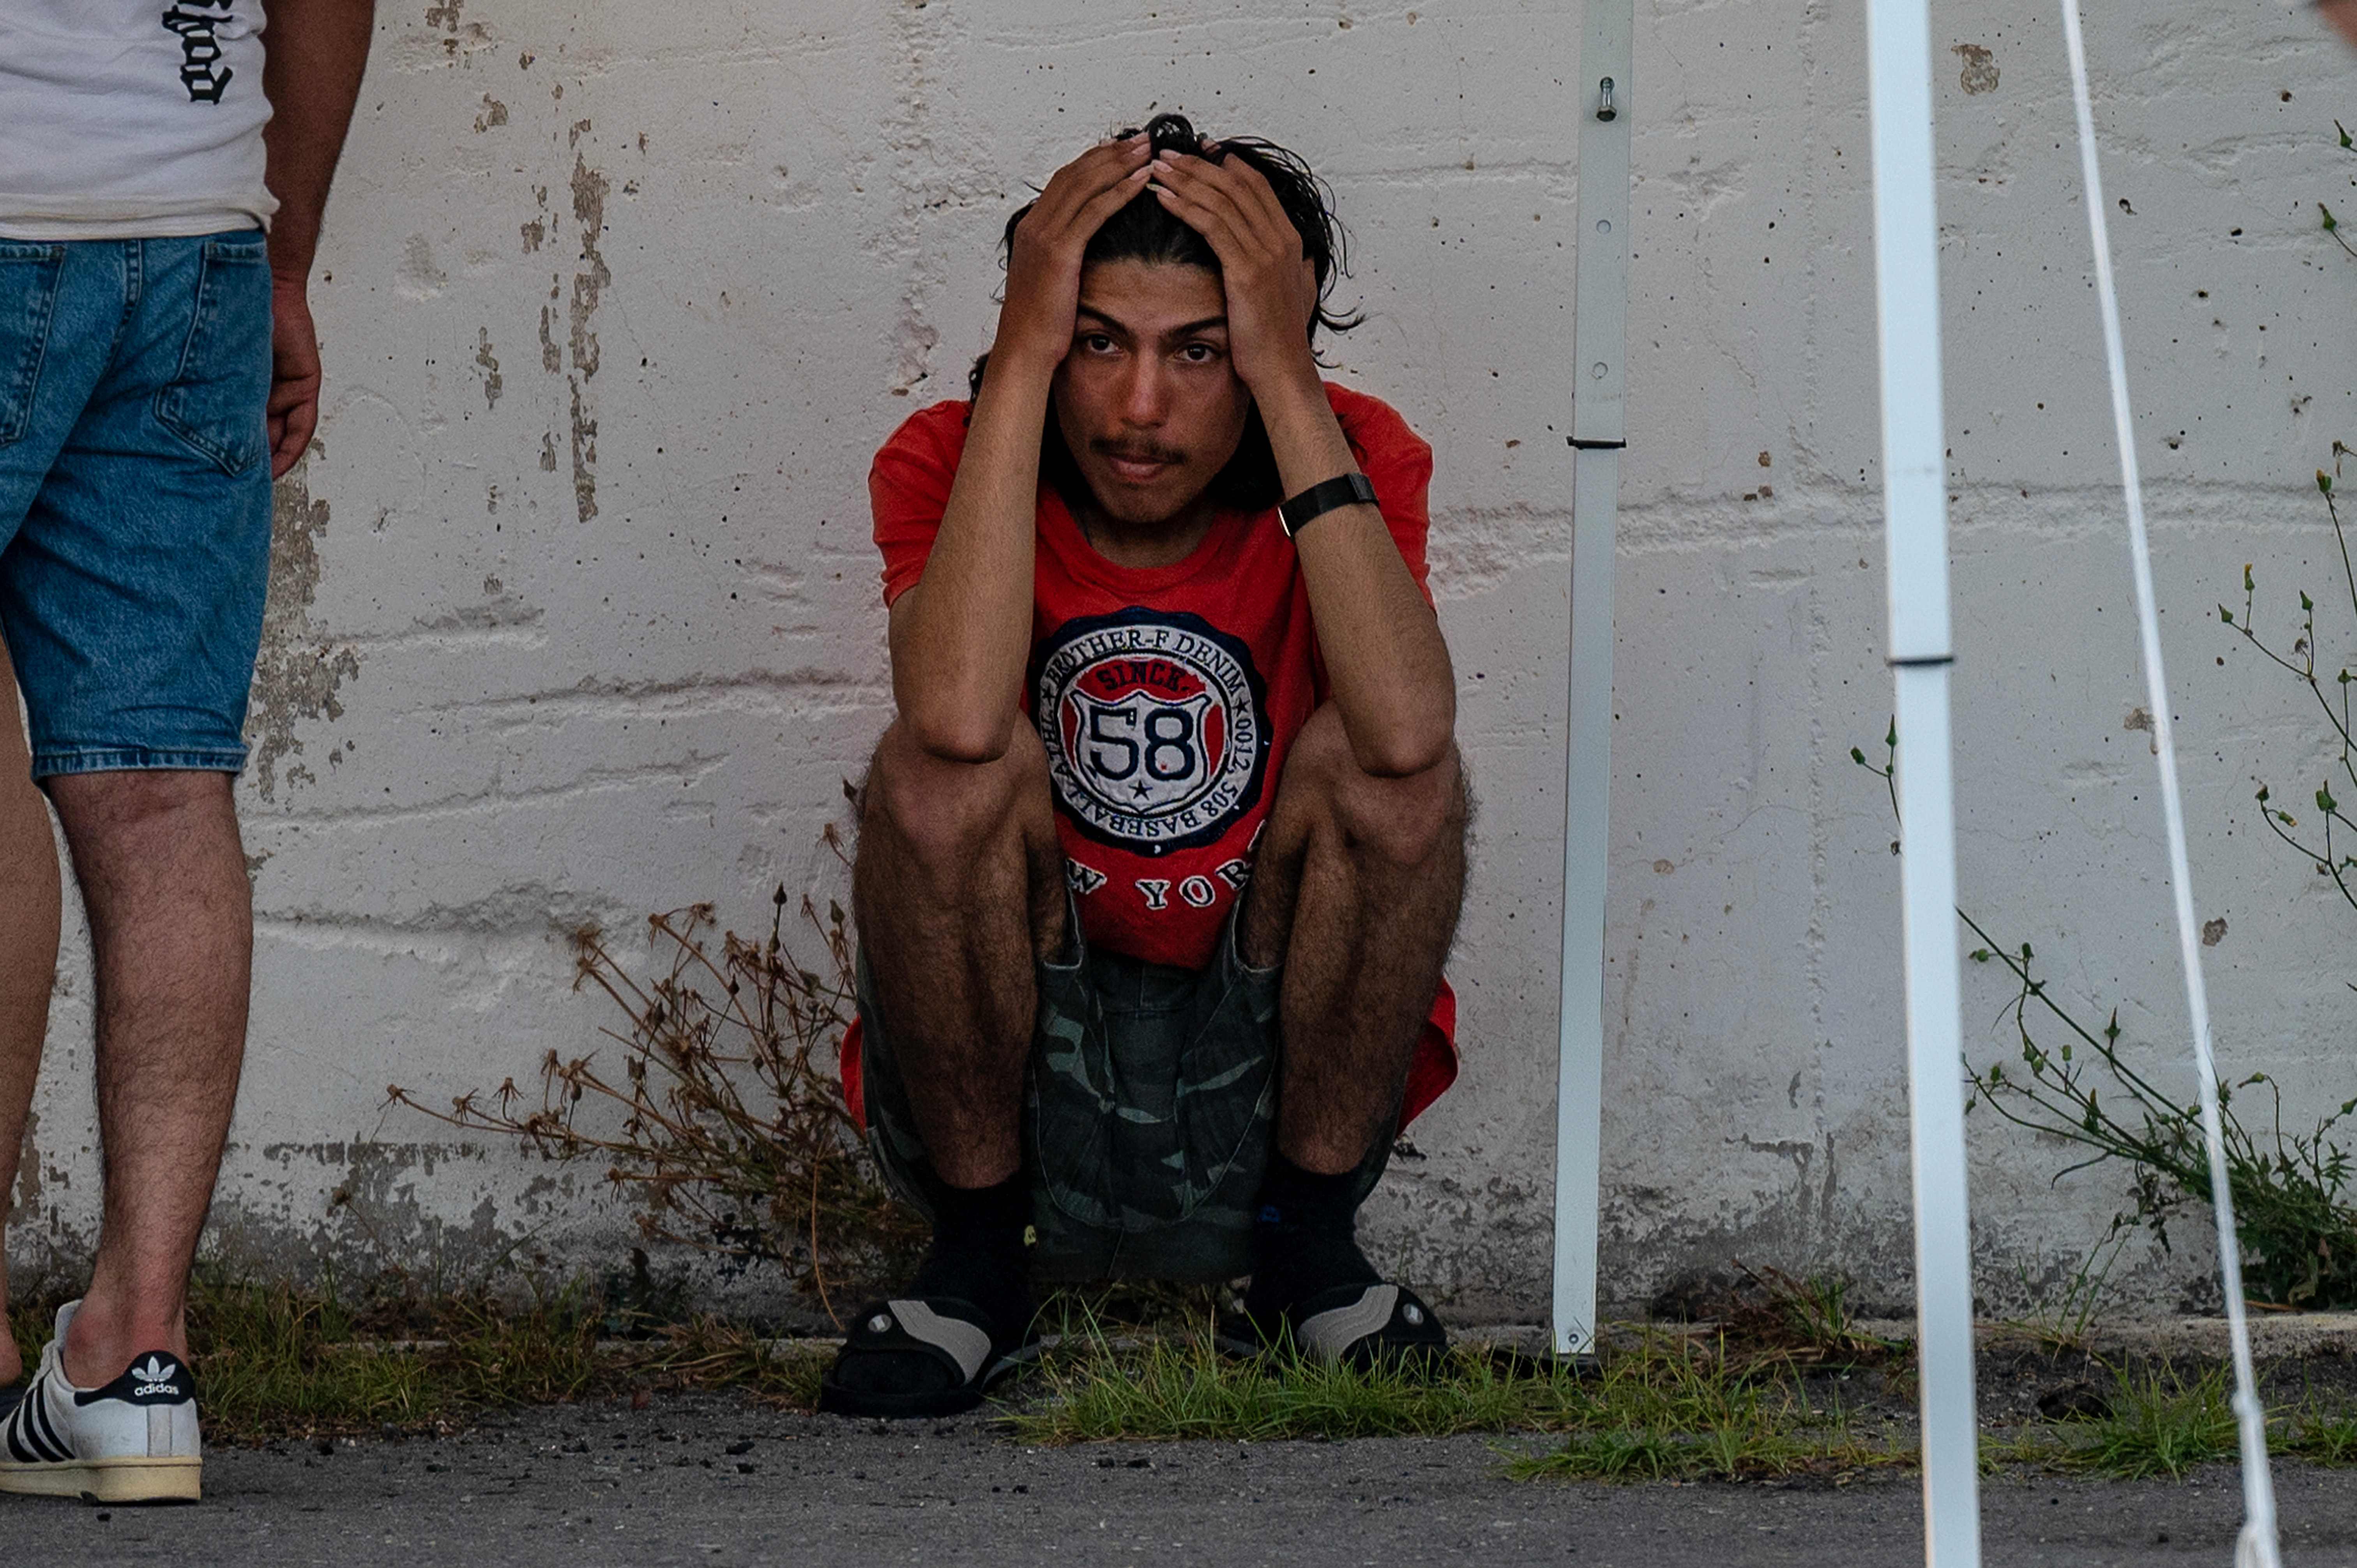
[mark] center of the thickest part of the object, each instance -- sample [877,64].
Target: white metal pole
[1914,477]
[1597,436]
[2258,1546]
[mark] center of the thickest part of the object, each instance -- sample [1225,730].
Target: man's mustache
[1135,452]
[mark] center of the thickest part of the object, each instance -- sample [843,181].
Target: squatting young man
[1161,860]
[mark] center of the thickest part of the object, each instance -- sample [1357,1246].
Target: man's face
[1148,399]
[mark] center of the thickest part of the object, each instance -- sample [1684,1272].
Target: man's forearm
[1383,651]
[961,636]
[313,54]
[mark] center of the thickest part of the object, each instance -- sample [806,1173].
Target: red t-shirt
[1167,697]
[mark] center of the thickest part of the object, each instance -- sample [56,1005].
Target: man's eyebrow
[1186,330]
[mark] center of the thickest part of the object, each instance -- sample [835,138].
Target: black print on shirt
[201,70]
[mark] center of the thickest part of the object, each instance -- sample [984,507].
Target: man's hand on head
[1043,265]
[293,373]
[1271,289]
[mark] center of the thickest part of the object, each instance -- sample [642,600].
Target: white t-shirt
[128,118]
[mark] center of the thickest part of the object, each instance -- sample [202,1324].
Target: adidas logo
[158,1377]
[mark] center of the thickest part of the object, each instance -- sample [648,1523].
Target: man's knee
[128,801]
[1409,820]
[946,812]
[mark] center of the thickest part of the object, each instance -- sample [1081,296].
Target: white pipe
[2258,1547]
[1601,315]
[1914,477]
[1943,1264]
[1587,779]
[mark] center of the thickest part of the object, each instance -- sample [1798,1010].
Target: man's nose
[1144,393]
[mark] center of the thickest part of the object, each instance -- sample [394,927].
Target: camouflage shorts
[1149,1107]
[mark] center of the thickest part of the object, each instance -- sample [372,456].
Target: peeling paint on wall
[29,1166]
[1980,74]
[491,367]
[299,672]
[590,189]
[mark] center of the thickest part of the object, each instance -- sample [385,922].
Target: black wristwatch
[1345,490]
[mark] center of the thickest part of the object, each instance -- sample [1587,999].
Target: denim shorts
[134,495]
[1149,1108]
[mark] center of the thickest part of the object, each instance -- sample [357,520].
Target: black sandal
[1363,1327]
[946,1330]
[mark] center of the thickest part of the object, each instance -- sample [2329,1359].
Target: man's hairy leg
[29,962]
[1356,892]
[957,886]
[171,923]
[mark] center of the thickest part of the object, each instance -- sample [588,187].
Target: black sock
[978,1252]
[977,1255]
[1305,1239]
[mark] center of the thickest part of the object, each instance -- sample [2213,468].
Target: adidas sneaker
[131,1441]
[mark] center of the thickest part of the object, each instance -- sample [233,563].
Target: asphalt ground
[713,1480]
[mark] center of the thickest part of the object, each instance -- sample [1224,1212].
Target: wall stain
[1980,74]
[494,113]
[492,384]
[299,670]
[551,358]
[419,276]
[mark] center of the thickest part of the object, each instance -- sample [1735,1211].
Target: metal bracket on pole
[1915,490]
[1598,434]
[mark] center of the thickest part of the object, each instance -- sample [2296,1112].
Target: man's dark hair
[1145,230]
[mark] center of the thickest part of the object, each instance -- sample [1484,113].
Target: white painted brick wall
[577,614]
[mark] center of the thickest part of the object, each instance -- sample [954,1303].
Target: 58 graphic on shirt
[1155,725]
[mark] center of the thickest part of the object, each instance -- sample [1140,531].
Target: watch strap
[1344,489]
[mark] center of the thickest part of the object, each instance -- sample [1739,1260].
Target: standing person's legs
[1356,894]
[163,874]
[132,597]
[50,357]
[29,962]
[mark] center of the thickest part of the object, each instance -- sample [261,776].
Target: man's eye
[1096,342]
[1199,353]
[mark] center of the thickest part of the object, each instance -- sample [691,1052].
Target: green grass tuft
[2159,1424]
[2323,1436]
[1166,1391]
[275,1362]
[1662,1406]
